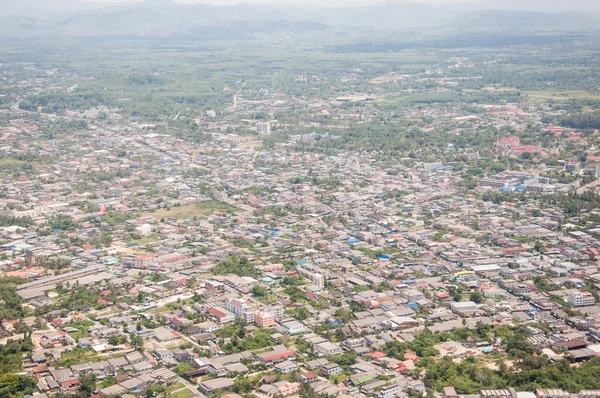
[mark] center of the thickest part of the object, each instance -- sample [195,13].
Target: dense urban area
[300,215]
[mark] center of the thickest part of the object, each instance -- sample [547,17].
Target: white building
[263,128]
[318,280]
[240,308]
[327,348]
[581,299]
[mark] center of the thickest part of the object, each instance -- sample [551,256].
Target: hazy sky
[320,3]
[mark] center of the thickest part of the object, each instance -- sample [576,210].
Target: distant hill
[523,19]
[166,18]
[546,6]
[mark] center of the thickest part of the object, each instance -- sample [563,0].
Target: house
[449,392]
[327,349]
[331,369]
[142,366]
[309,377]
[163,334]
[286,367]
[277,354]
[207,327]
[281,388]
[113,390]
[210,386]
[135,357]
[222,315]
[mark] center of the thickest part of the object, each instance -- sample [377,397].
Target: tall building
[318,280]
[581,299]
[240,308]
[264,319]
[263,128]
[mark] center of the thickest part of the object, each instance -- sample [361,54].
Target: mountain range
[164,18]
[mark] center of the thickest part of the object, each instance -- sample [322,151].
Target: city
[367,231]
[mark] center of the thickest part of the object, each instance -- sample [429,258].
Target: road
[191,387]
[15,337]
[173,299]
[235,100]
[15,106]
[192,342]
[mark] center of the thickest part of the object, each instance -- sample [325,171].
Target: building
[318,280]
[263,128]
[264,319]
[241,309]
[278,311]
[281,388]
[354,343]
[433,166]
[331,369]
[286,367]
[328,348]
[504,146]
[277,354]
[222,315]
[551,393]
[49,281]
[210,386]
[581,299]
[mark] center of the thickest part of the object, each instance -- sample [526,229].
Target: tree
[259,291]
[154,390]
[539,247]
[106,240]
[476,297]
[16,385]
[87,385]
[301,313]
[343,315]
[136,341]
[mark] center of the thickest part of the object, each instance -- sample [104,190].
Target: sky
[320,3]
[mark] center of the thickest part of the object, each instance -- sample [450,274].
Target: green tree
[476,297]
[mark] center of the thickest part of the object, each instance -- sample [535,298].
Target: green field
[193,210]
[544,96]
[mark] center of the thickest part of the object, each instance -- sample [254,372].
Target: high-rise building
[263,128]
[264,319]
[318,280]
[581,299]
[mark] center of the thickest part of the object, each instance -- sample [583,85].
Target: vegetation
[8,221]
[11,304]
[239,266]
[12,352]
[12,385]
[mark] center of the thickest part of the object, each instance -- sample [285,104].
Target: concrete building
[581,299]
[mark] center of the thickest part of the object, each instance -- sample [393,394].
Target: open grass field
[193,210]
[543,96]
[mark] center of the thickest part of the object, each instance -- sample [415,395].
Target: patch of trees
[587,120]
[470,376]
[12,385]
[239,266]
[11,354]
[11,304]
[573,204]
[54,102]
[9,221]
[62,223]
